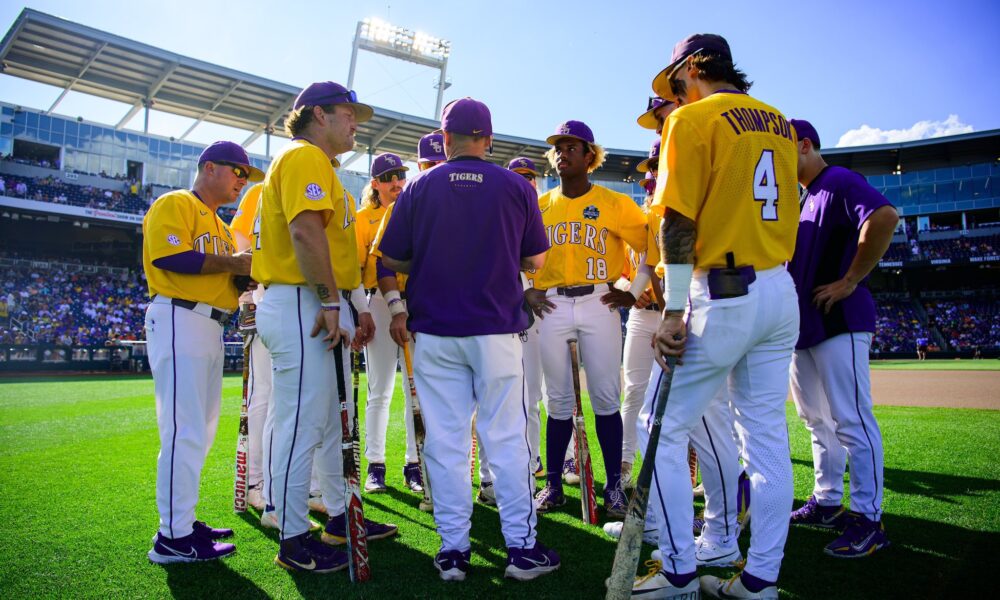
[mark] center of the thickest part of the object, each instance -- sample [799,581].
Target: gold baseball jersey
[367,226]
[302,178]
[400,277]
[634,256]
[653,258]
[178,222]
[246,213]
[587,236]
[730,163]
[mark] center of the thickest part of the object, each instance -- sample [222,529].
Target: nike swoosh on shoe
[861,545]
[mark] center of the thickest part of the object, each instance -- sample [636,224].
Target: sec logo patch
[315,192]
[173,240]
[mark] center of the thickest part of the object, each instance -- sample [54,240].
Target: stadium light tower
[375,35]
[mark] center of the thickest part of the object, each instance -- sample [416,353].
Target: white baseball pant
[831,388]
[749,340]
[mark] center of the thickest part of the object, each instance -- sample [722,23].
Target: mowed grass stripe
[77,503]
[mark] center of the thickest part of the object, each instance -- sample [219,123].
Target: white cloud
[866,136]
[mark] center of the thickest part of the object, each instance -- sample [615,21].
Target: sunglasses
[653,102]
[240,171]
[527,176]
[350,95]
[388,177]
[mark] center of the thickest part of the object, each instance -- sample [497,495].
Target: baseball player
[382,356]
[188,254]
[463,231]
[430,151]
[524,167]
[305,249]
[588,227]
[844,229]
[730,215]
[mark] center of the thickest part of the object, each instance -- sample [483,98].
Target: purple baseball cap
[467,116]
[431,148]
[230,152]
[654,157]
[328,92]
[693,44]
[804,129]
[523,164]
[572,129]
[387,162]
[647,120]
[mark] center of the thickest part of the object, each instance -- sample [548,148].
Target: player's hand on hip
[328,321]
[644,299]
[670,339]
[538,303]
[364,332]
[398,331]
[825,296]
[241,263]
[618,299]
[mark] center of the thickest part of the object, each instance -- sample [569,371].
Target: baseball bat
[630,543]
[248,329]
[356,431]
[588,497]
[472,457]
[357,541]
[419,433]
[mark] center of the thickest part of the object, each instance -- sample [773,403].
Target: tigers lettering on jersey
[301,178]
[732,165]
[587,236]
[179,222]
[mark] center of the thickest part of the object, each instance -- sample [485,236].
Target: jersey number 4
[765,186]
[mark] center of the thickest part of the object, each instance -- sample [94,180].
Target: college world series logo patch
[314,192]
[591,213]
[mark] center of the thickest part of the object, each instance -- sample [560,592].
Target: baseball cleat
[414,480]
[487,495]
[716,587]
[817,515]
[335,532]
[571,474]
[525,564]
[697,525]
[255,497]
[861,538]
[613,529]
[539,469]
[615,502]
[549,498]
[212,533]
[627,476]
[305,553]
[316,502]
[452,564]
[426,506]
[710,553]
[655,584]
[190,548]
[698,490]
[375,482]
[269,519]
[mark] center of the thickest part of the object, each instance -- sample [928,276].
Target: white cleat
[655,584]
[717,587]
[255,498]
[716,554]
[269,520]
[316,503]
[613,529]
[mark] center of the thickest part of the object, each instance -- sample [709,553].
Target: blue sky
[877,71]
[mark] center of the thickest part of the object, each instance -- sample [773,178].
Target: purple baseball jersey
[465,225]
[834,207]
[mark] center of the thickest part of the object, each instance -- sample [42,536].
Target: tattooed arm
[677,241]
[312,253]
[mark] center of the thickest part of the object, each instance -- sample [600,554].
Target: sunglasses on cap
[388,177]
[653,101]
[239,170]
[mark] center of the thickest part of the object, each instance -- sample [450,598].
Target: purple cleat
[524,564]
[375,482]
[190,548]
[452,564]
[817,515]
[212,533]
[862,537]
[306,553]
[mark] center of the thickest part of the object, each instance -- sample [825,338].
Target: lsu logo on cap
[564,128]
[591,213]
[314,192]
[437,146]
[173,240]
[390,160]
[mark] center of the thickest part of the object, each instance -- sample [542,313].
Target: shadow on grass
[939,486]
[205,580]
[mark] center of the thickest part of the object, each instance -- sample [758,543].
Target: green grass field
[77,473]
[937,365]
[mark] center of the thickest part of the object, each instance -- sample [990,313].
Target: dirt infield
[949,389]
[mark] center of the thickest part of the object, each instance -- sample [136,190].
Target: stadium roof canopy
[47,49]
[931,153]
